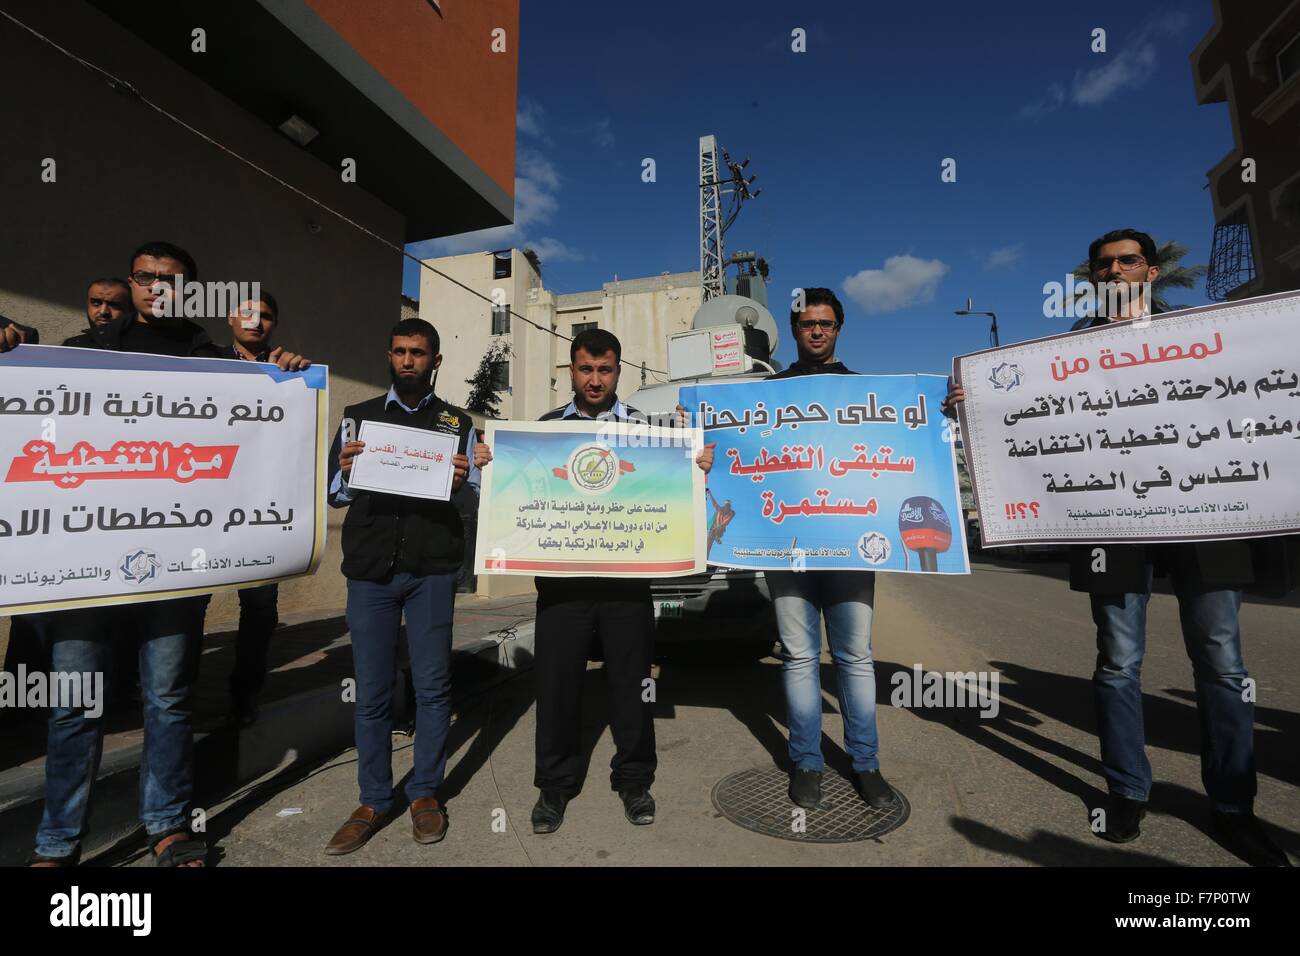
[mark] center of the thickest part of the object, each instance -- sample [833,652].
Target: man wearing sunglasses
[844,598]
[1208,578]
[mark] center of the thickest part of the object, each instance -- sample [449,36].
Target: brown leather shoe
[353,835]
[428,820]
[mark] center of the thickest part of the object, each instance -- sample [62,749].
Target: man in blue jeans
[1208,578]
[844,598]
[401,554]
[168,632]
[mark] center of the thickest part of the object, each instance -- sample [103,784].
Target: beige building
[534,377]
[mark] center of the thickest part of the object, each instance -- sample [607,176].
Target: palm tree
[1172,275]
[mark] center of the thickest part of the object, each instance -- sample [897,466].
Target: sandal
[40,860]
[178,852]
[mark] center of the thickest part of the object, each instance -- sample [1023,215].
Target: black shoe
[638,805]
[873,789]
[806,789]
[1122,818]
[1246,838]
[243,712]
[548,814]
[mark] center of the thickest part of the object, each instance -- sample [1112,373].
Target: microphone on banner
[924,528]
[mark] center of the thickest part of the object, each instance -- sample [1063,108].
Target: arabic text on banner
[590,498]
[127,477]
[400,460]
[1181,427]
[831,472]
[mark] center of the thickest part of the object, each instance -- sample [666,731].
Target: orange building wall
[409,43]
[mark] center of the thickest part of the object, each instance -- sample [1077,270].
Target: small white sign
[400,460]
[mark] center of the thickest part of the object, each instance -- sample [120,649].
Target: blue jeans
[1212,637]
[845,598]
[375,617]
[170,634]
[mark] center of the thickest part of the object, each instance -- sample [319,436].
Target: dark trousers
[565,631]
[375,617]
[258,617]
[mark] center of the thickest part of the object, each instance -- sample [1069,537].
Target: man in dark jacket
[844,598]
[169,633]
[252,324]
[401,553]
[1207,578]
[574,612]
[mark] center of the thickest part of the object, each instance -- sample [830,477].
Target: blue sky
[1054,145]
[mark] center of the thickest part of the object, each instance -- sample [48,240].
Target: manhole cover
[758,800]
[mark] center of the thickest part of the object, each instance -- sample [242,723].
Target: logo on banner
[1006,377]
[593,469]
[139,567]
[874,547]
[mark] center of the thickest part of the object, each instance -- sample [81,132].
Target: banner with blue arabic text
[831,472]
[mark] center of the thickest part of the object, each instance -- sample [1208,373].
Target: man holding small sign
[403,544]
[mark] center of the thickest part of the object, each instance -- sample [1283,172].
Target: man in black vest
[1208,578]
[401,553]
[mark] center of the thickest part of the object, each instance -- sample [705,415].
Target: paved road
[1010,790]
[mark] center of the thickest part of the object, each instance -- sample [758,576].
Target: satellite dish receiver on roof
[924,527]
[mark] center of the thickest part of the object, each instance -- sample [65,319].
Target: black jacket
[389,534]
[813,368]
[1261,565]
[185,339]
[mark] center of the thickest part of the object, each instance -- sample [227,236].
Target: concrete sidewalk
[303,717]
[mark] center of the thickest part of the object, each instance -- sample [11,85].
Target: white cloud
[549,249]
[1051,101]
[537,185]
[1126,70]
[602,134]
[905,281]
[1006,257]
[1129,67]
[530,120]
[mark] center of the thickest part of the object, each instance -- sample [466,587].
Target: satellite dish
[737,310]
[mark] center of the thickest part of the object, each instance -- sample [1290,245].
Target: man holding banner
[845,598]
[572,612]
[169,631]
[1207,576]
[402,549]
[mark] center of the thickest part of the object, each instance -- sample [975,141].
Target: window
[583,327]
[501,264]
[501,376]
[500,319]
[1288,60]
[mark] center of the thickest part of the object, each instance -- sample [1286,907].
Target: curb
[300,729]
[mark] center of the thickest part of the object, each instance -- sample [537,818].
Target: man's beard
[417,387]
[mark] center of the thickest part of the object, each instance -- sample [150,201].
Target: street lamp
[993,315]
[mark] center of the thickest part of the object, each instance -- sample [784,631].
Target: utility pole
[713,159]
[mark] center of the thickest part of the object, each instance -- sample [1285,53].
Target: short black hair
[596,342]
[819,296]
[269,301]
[412,327]
[108,280]
[1119,235]
[166,250]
